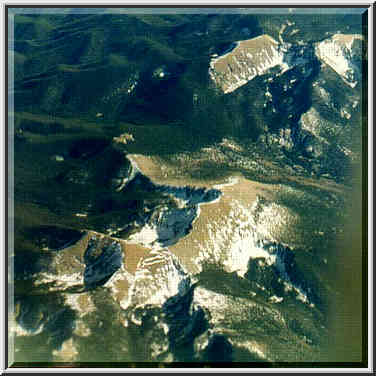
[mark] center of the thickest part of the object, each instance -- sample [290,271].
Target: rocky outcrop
[185,320]
[287,95]
[277,275]
[342,52]
[247,60]
[102,261]
[163,292]
[256,57]
[165,225]
[158,277]
[79,268]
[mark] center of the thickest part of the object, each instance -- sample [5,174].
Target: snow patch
[158,277]
[337,52]
[17,330]
[252,347]
[68,351]
[247,60]
[237,239]
[166,225]
[231,181]
[148,236]
[59,281]
[276,299]
[81,303]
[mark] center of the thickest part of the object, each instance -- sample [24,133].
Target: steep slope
[341,52]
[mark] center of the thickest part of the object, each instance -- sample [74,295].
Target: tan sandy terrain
[161,172]
[242,191]
[238,188]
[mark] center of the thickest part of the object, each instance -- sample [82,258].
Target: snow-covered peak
[338,52]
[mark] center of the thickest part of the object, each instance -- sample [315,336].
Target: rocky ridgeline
[249,58]
[94,259]
[256,56]
[159,295]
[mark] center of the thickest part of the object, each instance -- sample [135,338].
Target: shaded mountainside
[181,184]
